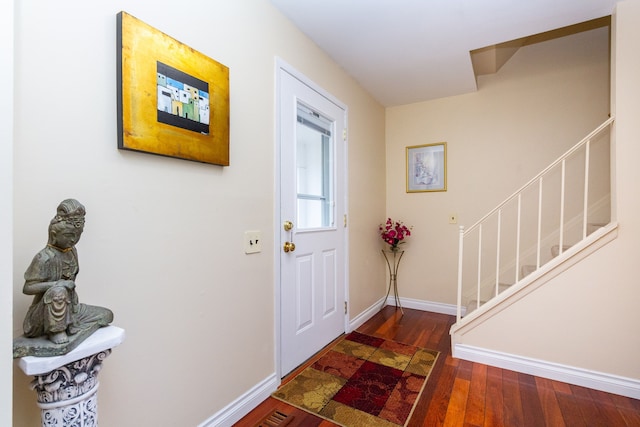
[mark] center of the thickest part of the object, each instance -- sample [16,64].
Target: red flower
[394,232]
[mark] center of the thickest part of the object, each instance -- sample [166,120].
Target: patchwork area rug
[363,381]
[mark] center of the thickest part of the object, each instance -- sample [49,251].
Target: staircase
[528,269]
[553,221]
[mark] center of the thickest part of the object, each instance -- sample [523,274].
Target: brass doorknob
[289,247]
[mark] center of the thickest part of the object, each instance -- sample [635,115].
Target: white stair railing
[490,231]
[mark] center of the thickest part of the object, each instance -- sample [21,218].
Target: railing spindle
[498,251]
[460,258]
[562,185]
[518,239]
[539,248]
[587,151]
[479,265]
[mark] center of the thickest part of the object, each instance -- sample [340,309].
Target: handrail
[562,160]
[544,171]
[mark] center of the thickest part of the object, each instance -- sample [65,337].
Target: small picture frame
[172,100]
[427,167]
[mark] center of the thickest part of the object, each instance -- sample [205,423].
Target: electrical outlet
[453,218]
[252,242]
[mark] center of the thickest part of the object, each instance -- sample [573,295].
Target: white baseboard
[596,380]
[237,409]
[434,307]
[367,314]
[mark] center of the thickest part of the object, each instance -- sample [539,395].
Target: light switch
[252,242]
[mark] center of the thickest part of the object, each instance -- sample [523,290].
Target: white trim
[283,65]
[232,413]
[345,174]
[364,316]
[582,377]
[432,306]
[277,277]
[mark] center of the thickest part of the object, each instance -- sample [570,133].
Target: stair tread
[555,249]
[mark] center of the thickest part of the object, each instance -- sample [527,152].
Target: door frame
[283,67]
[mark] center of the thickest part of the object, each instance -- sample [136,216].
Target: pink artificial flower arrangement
[394,232]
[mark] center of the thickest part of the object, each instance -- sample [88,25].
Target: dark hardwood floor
[462,393]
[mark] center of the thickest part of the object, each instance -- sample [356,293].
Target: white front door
[312,248]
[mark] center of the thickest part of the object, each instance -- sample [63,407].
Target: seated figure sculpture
[55,312]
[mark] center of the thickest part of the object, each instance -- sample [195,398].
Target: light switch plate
[252,242]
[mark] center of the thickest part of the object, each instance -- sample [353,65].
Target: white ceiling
[405,51]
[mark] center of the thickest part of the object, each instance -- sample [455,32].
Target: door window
[314,169]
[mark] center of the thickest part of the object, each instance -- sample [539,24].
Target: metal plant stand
[393,258]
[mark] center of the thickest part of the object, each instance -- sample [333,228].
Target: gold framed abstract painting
[172,100]
[427,167]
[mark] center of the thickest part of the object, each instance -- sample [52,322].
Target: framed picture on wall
[427,167]
[172,100]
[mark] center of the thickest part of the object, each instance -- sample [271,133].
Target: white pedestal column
[67,385]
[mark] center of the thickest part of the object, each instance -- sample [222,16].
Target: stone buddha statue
[56,315]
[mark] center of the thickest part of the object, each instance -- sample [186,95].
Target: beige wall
[545,99]
[587,317]
[163,242]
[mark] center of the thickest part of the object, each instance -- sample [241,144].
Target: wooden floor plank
[630,416]
[591,411]
[513,414]
[465,368]
[463,393]
[626,402]
[475,410]
[572,412]
[531,405]
[438,400]
[457,403]
[605,406]
[549,403]
[561,387]
[494,403]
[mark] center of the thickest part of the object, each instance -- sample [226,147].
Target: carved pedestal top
[103,339]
